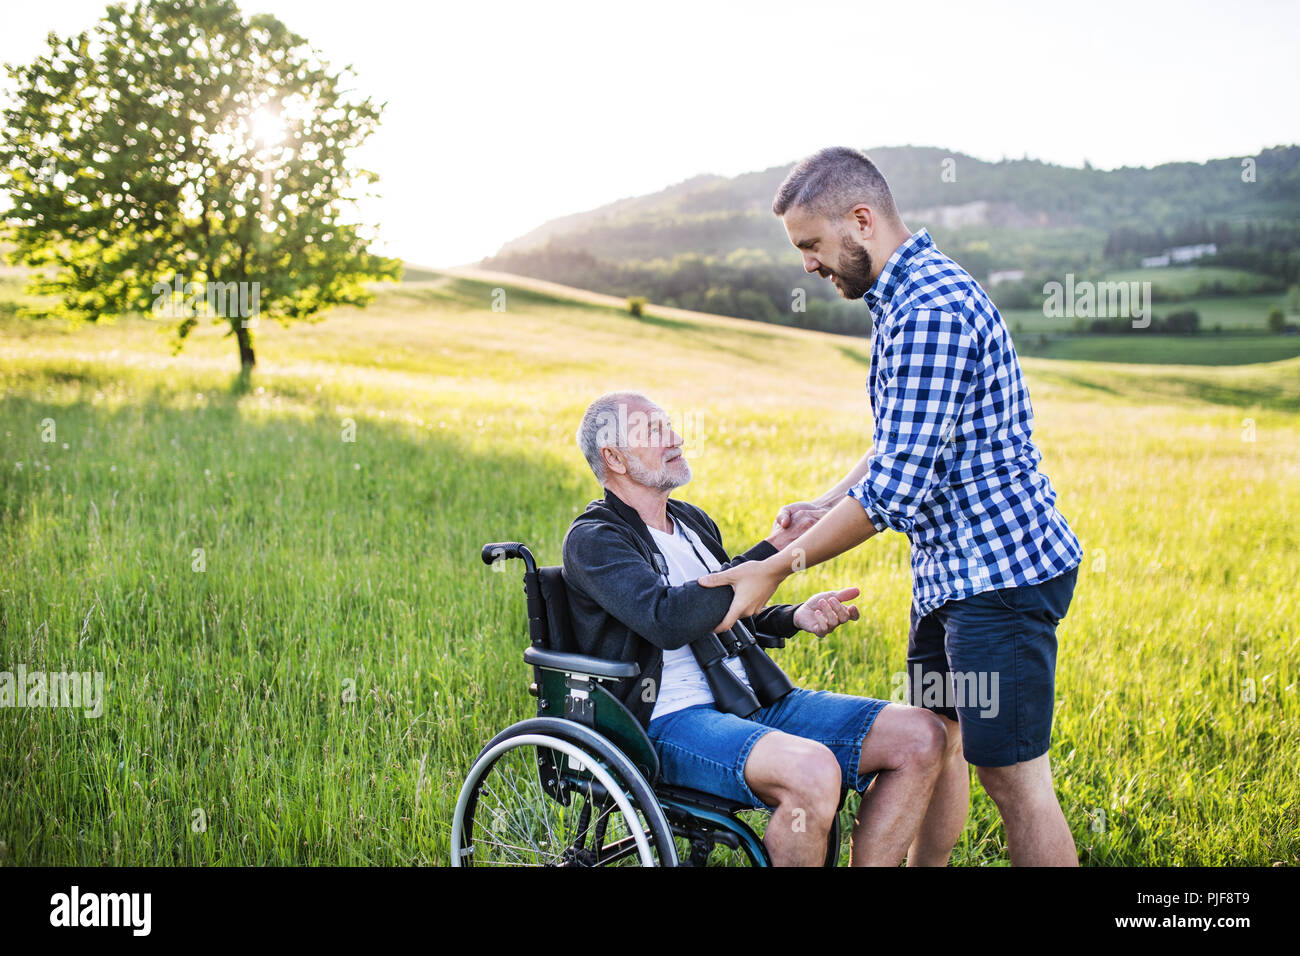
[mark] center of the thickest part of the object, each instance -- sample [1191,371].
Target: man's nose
[811,265]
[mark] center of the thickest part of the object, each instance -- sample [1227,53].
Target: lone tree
[182,161]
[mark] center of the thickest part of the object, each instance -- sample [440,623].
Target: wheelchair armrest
[768,640]
[580,664]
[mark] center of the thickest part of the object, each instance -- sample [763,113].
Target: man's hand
[792,511]
[845,526]
[796,523]
[823,613]
[754,582]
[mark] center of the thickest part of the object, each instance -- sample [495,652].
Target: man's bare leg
[946,817]
[1037,834]
[802,779]
[905,749]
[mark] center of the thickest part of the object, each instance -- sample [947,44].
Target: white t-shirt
[683,683]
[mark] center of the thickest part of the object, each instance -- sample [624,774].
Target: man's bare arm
[827,499]
[843,528]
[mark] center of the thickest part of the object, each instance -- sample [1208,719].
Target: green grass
[1136,348]
[1190,280]
[1235,313]
[319,690]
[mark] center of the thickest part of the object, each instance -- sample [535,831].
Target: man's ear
[613,460]
[864,221]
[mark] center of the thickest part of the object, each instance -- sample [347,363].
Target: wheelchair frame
[585,760]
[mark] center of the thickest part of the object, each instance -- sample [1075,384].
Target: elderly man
[631,562]
[954,468]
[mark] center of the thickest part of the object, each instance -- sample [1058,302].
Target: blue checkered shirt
[953,466]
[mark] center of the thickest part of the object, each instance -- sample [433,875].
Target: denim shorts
[989,663]
[702,748]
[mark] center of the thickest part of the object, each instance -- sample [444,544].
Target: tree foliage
[177,149]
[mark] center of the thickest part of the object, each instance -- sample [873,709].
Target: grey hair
[832,181]
[595,431]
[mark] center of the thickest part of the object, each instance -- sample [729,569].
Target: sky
[501,116]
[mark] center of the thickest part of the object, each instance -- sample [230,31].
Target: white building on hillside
[1180,254]
[1005,275]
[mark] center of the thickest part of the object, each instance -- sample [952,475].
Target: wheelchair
[579,785]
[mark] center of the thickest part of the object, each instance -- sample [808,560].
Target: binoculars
[768,681]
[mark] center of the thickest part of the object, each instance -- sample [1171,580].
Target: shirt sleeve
[604,564]
[775,623]
[927,369]
[608,568]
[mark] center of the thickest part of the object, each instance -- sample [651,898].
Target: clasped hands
[755,582]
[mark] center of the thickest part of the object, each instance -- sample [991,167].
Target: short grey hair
[832,181]
[594,433]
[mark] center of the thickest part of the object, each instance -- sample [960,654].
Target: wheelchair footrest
[698,798]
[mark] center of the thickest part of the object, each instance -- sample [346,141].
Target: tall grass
[316,692]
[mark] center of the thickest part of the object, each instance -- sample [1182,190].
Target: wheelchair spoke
[516,826]
[510,846]
[515,819]
[518,799]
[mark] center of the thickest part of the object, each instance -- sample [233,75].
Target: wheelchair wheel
[548,793]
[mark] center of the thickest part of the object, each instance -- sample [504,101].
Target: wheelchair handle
[505,550]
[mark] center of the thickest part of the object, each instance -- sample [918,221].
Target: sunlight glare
[267,127]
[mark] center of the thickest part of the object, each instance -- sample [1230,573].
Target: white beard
[660,479]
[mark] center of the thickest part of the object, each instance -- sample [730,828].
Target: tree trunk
[245,339]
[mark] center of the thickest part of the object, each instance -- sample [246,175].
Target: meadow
[303,652]
[1233,325]
[1210,349]
[1233,313]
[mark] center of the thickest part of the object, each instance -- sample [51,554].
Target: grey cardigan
[622,609]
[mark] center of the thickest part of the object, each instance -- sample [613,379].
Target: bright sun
[267,127]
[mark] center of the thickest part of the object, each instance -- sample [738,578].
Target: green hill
[714,215]
[712,243]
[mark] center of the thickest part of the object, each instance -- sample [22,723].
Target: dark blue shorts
[705,749]
[989,662]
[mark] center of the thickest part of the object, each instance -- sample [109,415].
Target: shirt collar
[631,518]
[891,277]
